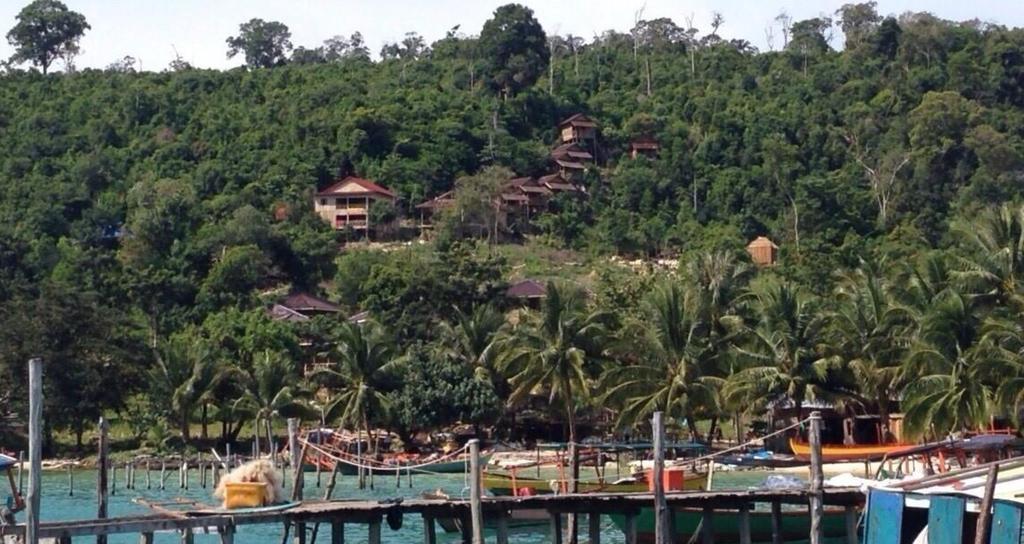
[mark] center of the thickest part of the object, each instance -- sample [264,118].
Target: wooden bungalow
[346,202]
[308,305]
[645,146]
[763,251]
[556,183]
[578,129]
[428,210]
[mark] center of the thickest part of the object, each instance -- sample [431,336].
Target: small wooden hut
[763,251]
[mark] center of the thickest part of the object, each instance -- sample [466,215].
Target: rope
[380,466]
[747,443]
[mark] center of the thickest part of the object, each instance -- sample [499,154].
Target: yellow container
[244,495]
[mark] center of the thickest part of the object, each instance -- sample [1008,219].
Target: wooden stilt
[594,527]
[35,449]
[707,530]
[744,524]
[817,496]
[429,530]
[337,533]
[113,479]
[374,536]
[776,522]
[163,474]
[101,483]
[502,528]
[149,480]
[851,525]
[146,538]
[227,534]
[71,482]
[556,528]
[629,528]
[187,537]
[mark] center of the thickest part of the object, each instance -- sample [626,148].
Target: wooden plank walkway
[372,512]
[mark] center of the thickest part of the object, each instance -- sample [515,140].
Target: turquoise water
[57,504]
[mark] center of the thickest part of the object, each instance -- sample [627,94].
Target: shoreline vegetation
[151,221]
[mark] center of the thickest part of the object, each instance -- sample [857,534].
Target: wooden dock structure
[339,514]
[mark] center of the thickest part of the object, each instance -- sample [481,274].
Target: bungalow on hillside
[644,146]
[578,129]
[346,202]
[428,210]
[556,183]
[309,305]
[763,251]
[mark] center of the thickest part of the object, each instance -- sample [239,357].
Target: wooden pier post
[744,524]
[374,536]
[35,448]
[337,532]
[707,528]
[327,496]
[982,529]
[594,527]
[149,479]
[475,492]
[429,530]
[851,525]
[297,457]
[776,522]
[629,528]
[113,479]
[661,513]
[146,538]
[556,527]
[184,474]
[71,482]
[502,528]
[101,483]
[816,495]
[572,522]
[163,474]
[21,473]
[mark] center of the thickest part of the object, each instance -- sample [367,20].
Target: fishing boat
[796,525]
[511,485]
[867,452]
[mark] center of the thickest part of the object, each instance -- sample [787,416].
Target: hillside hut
[763,251]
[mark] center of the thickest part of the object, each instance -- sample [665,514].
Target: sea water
[59,504]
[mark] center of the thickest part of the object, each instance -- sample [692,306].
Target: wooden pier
[374,514]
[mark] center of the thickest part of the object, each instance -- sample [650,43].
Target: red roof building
[346,202]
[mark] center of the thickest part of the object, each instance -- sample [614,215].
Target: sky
[153,31]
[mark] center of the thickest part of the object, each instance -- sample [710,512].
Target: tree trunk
[647,63]
[185,434]
[256,434]
[796,224]
[711,430]
[204,434]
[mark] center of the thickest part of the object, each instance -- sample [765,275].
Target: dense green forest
[148,220]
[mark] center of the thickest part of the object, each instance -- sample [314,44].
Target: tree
[781,352]
[996,238]
[945,371]
[870,331]
[858,22]
[474,339]
[186,374]
[268,390]
[362,377]
[557,352]
[46,30]
[264,43]
[675,372]
[515,47]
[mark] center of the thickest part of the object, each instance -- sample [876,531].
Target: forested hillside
[141,206]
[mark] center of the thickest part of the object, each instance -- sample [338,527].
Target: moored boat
[867,452]
[508,485]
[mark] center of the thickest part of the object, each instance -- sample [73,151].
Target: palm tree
[475,339]
[997,235]
[673,374]
[365,364]
[268,388]
[870,332]
[945,370]
[557,352]
[782,351]
[186,374]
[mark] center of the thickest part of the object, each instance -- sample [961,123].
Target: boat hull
[802,450]
[796,525]
[503,485]
[457,466]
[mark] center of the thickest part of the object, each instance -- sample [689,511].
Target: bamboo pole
[35,448]
[816,495]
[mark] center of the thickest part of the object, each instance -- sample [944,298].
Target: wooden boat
[867,452]
[796,525]
[349,465]
[509,485]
